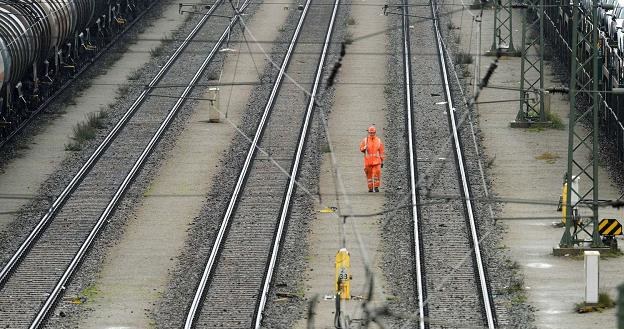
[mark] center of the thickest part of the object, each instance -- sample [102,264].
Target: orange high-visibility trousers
[373,175]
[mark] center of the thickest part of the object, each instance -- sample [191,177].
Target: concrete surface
[553,284]
[135,272]
[25,174]
[355,108]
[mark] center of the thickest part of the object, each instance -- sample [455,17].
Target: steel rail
[485,294]
[60,286]
[422,315]
[71,80]
[84,170]
[295,170]
[199,293]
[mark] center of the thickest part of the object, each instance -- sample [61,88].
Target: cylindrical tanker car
[42,42]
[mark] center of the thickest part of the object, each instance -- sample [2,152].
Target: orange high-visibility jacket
[373,150]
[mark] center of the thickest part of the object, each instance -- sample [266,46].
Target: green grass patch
[548,157]
[123,91]
[157,52]
[213,75]
[557,123]
[90,292]
[85,295]
[96,119]
[388,90]
[535,129]
[86,130]
[604,302]
[613,253]
[83,132]
[73,146]
[515,287]
[351,21]
[519,299]
[300,292]
[167,38]
[490,162]
[348,39]
[463,58]
[134,75]
[512,265]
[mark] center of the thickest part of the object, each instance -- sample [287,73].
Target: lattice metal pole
[503,39]
[532,109]
[582,83]
[620,307]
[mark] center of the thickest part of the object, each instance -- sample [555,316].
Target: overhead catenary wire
[475,103]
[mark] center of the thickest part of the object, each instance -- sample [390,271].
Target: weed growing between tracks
[462,57]
[557,123]
[86,130]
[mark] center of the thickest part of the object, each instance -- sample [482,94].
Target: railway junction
[197,165]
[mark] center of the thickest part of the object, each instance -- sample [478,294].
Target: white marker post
[592,262]
[213,105]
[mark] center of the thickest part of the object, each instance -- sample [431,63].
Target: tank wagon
[45,42]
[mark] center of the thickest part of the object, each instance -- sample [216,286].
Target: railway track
[451,279]
[35,276]
[234,286]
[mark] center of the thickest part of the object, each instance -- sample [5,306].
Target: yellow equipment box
[343,274]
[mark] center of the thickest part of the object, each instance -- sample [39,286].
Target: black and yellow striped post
[610,227]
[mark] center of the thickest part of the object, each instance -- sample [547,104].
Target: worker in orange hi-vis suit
[373,150]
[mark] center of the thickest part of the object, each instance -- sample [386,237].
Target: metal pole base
[530,124]
[478,5]
[508,51]
[565,251]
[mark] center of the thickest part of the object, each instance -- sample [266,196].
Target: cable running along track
[451,281]
[234,287]
[36,275]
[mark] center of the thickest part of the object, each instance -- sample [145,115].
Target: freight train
[43,43]
[558,30]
